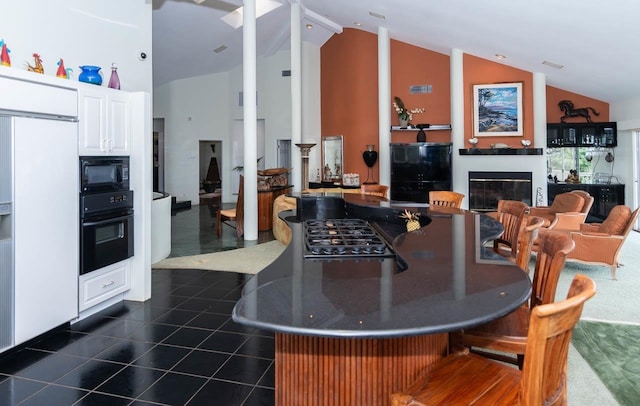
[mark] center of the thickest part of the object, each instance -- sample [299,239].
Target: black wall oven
[106,213]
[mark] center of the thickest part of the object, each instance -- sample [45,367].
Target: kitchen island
[353,329]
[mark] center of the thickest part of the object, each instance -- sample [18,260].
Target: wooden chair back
[553,248]
[236,214]
[528,235]
[240,209]
[445,198]
[512,215]
[464,378]
[374,189]
[544,374]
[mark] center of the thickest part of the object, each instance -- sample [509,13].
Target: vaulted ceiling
[595,42]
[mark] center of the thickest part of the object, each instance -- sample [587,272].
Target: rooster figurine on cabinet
[38,62]
[4,56]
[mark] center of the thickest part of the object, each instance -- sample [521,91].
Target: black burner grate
[343,237]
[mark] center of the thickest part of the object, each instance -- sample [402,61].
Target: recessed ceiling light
[553,65]
[376,15]
[309,26]
[357,24]
[220,49]
[500,56]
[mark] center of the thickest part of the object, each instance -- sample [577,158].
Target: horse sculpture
[569,110]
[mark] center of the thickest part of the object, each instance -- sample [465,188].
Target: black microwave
[100,174]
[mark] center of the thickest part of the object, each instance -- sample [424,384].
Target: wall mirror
[332,164]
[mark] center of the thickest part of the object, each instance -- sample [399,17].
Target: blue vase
[90,74]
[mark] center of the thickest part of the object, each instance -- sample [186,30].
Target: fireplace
[486,188]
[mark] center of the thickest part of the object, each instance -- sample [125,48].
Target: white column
[250,121]
[459,181]
[296,95]
[539,173]
[384,106]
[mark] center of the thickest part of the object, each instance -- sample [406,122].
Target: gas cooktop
[335,238]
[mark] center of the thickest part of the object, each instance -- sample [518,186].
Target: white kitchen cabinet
[105,121]
[103,284]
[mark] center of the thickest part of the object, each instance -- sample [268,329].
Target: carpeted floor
[613,352]
[615,302]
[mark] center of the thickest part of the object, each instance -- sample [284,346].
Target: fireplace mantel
[500,151]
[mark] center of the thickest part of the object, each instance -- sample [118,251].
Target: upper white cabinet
[105,121]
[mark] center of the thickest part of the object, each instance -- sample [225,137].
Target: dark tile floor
[193,232]
[178,348]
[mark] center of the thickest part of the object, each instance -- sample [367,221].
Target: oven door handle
[109,220]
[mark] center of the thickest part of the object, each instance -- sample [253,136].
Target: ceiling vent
[553,65]
[420,89]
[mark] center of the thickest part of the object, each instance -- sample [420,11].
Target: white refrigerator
[39,225]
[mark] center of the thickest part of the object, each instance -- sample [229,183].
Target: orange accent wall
[349,94]
[481,71]
[411,65]
[554,95]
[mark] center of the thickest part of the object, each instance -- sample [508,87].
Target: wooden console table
[265,205]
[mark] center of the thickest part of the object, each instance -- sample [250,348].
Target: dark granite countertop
[442,279]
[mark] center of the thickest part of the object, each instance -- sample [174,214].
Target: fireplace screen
[487,188]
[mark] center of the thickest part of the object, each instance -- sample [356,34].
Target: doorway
[158,155]
[210,163]
[284,156]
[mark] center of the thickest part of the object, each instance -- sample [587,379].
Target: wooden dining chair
[465,378]
[445,198]
[520,230]
[511,214]
[508,335]
[375,190]
[528,235]
[236,214]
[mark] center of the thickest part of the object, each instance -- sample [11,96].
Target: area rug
[613,351]
[248,260]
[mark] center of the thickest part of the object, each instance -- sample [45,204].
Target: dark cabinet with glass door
[582,135]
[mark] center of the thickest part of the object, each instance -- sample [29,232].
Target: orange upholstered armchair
[601,243]
[567,211]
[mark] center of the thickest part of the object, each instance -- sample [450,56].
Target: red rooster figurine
[4,56]
[62,72]
[38,68]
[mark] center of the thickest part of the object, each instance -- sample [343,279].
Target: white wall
[211,103]
[81,33]
[627,115]
[193,109]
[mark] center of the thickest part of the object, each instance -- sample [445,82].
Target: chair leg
[219,225]
[614,267]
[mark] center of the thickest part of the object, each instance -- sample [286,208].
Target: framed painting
[497,110]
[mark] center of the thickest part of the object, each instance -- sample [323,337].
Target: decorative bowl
[525,143]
